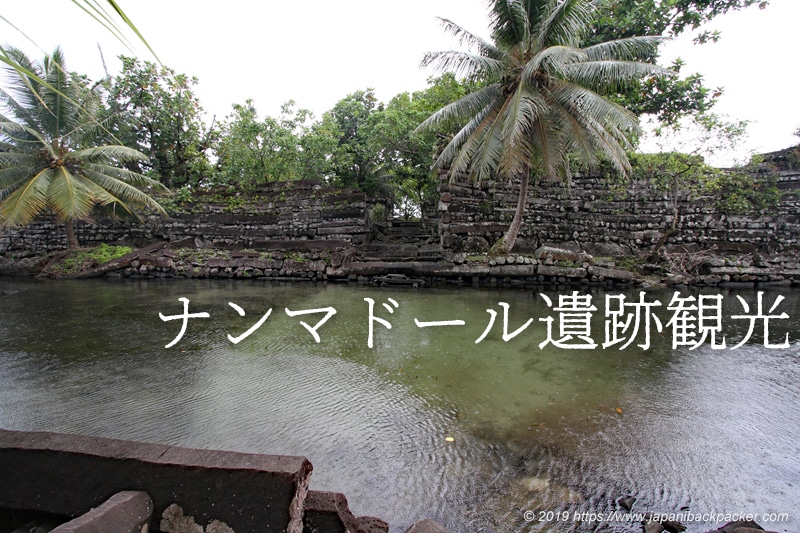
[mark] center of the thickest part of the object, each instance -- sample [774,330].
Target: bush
[377,215]
[86,259]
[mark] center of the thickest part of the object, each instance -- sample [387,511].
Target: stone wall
[258,219]
[590,216]
[593,216]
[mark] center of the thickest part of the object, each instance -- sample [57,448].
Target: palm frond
[16,160]
[25,202]
[490,150]
[125,192]
[611,142]
[131,25]
[516,121]
[545,140]
[99,154]
[578,133]
[25,75]
[126,176]
[106,197]
[459,151]
[627,48]
[68,196]
[529,110]
[450,150]
[610,75]
[12,179]
[24,137]
[462,109]
[96,12]
[554,60]
[512,22]
[578,138]
[22,114]
[465,37]
[463,64]
[565,23]
[588,103]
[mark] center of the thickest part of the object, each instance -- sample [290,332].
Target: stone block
[470,269]
[431,268]
[339,214]
[219,262]
[259,263]
[327,512]
[731,527]
[427,526]
[559,254]
[557,271]
[744,270]
[374,268]
[124,512]
[513,270]
[611,273]
[70,474]
[370,524]
[300,245]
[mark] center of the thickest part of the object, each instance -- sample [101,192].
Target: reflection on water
[533,429]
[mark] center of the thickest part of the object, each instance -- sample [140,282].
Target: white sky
[317,51]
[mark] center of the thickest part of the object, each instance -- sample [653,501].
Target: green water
[427,422]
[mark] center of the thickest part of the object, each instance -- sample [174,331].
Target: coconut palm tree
[542,96]
[45,165]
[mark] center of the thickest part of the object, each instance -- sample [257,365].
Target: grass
[85,259]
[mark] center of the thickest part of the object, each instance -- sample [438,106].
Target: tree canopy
[289,147]
[47,161]
[668,98]
[541,97]
[154,110]
[377,146]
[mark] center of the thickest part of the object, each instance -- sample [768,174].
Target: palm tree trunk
[72,240]
[506,244]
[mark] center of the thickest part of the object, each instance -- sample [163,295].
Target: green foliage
[377,214]
[626,18]
[794,158]
[9,57]
[86,259]
[794,154]
[296,257]
[356,160]
[406,154]
[183,195]
[154,110]
[48,160]
[674,172]
[235,203]
[364,144]
[668,98]
[687,175]
[540,100]
[253,151]
[319,149]
[177,200]
[741,193]
[706,135]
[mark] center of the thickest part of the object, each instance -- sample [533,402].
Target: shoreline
[547,266]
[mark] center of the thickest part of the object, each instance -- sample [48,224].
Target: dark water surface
[427,423]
